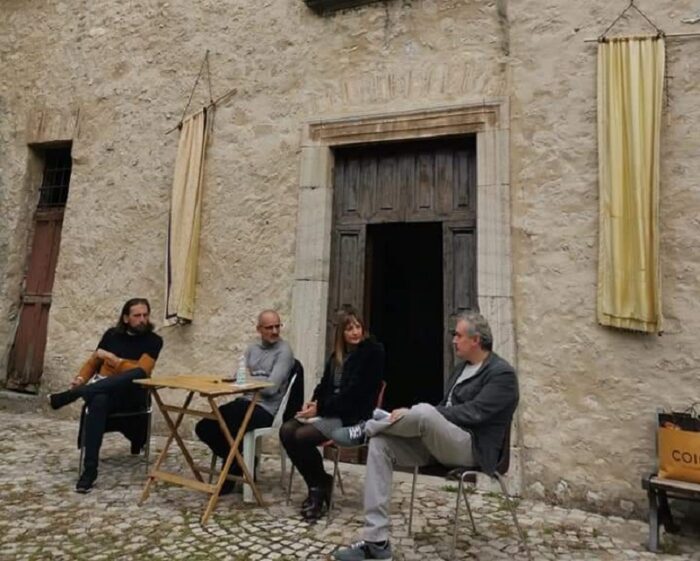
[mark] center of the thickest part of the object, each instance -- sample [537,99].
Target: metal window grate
[54,185]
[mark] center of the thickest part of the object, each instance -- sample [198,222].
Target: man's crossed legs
[102,398]
[421,437]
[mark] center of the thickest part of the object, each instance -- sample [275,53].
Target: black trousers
[116,393]
[209,432]
[300,441]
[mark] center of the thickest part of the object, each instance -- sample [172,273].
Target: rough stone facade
[114,77]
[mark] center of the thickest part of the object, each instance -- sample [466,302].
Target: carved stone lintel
[432,123]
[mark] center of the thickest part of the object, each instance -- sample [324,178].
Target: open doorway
[404,304]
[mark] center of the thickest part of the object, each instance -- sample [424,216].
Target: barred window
[57,169]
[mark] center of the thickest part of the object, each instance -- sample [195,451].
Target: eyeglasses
[276,326]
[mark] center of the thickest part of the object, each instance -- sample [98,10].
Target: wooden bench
[658,492]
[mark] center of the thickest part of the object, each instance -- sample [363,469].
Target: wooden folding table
[211,388]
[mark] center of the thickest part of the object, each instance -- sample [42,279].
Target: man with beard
[126,352]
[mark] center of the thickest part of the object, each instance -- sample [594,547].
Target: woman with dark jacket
[345,396]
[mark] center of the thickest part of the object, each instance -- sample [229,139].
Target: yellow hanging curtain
[630,91]
[184,223]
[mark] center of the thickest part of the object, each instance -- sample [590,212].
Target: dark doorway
[403,250]
[404,286]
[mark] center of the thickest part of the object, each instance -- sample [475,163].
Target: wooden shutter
[459,274]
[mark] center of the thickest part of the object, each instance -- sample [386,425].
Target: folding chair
[130,422]
[331,445]
[250,449]
[468,474]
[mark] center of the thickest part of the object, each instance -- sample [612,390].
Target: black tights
[300,441]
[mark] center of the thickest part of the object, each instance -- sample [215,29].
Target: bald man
[268,359]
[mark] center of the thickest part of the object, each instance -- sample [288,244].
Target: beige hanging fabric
[630,91]
[185,218]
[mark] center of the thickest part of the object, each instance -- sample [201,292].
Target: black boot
[87,480]
[306,503]
[319,499]
[61,399]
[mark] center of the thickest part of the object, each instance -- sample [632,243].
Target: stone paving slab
[42,518]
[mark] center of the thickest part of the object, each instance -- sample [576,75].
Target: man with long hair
[127,352]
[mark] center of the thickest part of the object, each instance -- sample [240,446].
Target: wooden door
[418,181]
[27,355]
[26,360]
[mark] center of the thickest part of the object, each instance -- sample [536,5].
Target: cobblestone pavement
[41,517]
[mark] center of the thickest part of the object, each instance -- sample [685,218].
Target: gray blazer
[484,405]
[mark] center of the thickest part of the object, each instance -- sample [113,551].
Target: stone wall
[128,67]
[590,392]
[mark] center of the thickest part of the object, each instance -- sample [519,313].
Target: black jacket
[359,385]
[484,405]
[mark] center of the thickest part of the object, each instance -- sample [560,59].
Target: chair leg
[283,464]
[413,496]
[336,474]
[469,508]
[147,447]
[249,459]
[212,467]
[340,480]
[653,544]
[81,429]
[511,507]
[456,522]
[289,485]
[80,459]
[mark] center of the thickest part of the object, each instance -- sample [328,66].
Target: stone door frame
[489,120]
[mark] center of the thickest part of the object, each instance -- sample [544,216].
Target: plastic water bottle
[241,372]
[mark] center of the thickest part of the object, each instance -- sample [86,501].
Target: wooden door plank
[425,183]
[459,276]
[26,360]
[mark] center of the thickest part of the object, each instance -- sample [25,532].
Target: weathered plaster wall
[129,68]
[589,392]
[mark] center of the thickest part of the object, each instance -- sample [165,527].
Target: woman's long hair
[344,317]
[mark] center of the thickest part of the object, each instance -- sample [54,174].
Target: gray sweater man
[268,359]
[270,362]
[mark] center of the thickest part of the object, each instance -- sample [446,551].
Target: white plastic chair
[250,441]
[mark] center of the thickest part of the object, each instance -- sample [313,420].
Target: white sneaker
[350,436]
[380,414]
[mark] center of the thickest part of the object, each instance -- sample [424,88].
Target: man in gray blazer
[467,428]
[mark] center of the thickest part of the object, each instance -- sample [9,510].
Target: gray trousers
[420,437]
